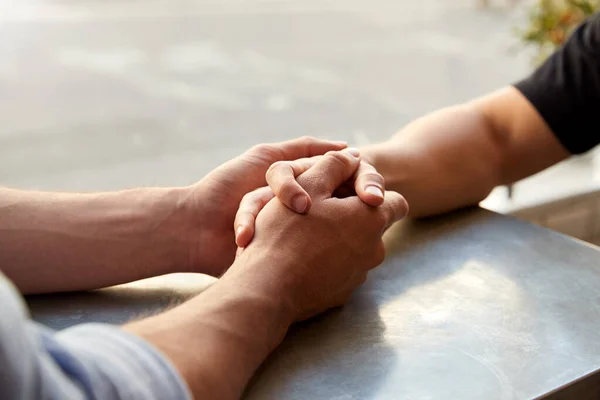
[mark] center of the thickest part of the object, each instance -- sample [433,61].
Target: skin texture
[298,265]
[454,157]
[366,183]
[293,265]
[102,239]
[51,242]
[449,159]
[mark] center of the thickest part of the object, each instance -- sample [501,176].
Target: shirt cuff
[111,363]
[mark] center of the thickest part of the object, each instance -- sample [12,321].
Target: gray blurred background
[107,94]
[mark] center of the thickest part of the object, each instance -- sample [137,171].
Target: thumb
[330,172]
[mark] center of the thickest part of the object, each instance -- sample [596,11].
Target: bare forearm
[218,339]
[454,157]
[66,241]
[443,161]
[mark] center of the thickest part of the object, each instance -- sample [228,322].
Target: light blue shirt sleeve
[89,361]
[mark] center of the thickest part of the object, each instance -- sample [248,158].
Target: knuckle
[398,207]
[265,151]
[372,177]
[382,218]
[339,158]
[274,167]
[287,189]
[244,210]
[258,148]
[307,142]
[240,218]
[367,167]
[404,207]
[307,139]
[248,198]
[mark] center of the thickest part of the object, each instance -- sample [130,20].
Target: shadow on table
[116,305]
[321,358]
[441,298]
[347,353]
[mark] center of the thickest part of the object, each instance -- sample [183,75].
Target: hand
[211,204]
[315,261]
[297,266]
[366,182]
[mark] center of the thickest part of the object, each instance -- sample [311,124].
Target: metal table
[472,305]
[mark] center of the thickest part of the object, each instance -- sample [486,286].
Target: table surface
[472,305]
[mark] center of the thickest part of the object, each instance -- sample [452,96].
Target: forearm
[443,161]
[218,339]
[66,241]
[454,157]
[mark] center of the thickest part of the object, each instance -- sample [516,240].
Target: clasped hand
[317,228]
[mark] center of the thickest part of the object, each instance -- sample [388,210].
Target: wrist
[164,228]
[251,307]
[206,226]
[219,338]
[257,275]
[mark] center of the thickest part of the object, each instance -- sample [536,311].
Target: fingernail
[340,142]
[299,203]
[374,190]
[238,231]
[352,150]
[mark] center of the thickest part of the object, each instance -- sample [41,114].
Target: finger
[379,255]
[393,209]
[281,177]
[330,172]
[249,208]
[369,185]
[308,147]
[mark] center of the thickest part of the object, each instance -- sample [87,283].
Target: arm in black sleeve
[565,90]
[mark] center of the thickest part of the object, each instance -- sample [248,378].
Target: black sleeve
[566,89]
